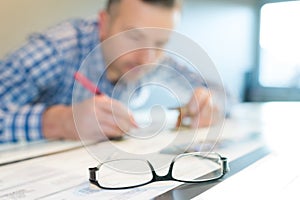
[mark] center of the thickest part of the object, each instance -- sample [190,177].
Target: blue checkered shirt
[40,74]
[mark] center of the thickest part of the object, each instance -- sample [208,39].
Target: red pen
[87,83]
[94,89]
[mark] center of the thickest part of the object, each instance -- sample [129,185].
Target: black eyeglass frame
[168,176]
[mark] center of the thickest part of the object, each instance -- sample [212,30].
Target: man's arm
[26,113]
[23,76]
[96,119]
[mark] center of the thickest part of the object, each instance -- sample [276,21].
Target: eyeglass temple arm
[212,159]
[224,160]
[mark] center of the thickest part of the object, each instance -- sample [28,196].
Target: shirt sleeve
[22,80]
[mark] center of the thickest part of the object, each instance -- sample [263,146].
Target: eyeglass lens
[124,173]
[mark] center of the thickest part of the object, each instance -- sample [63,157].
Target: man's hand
[93,119]
[201,109]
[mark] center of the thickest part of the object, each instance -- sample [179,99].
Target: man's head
[121,16]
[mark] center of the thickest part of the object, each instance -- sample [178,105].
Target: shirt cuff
[24,125]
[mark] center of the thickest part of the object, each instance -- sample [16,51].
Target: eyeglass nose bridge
[167,177]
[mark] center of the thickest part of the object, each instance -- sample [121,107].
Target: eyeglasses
[196,167]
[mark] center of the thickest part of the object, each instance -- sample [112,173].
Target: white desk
[64,175]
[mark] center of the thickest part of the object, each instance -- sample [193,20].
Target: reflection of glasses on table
[196,167]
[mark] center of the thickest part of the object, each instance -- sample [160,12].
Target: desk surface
[254,131]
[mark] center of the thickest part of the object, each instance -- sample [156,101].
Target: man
[37,80]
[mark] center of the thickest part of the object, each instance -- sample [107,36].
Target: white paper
[19,151]
[65,175]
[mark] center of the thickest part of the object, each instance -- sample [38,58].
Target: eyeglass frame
[168,177]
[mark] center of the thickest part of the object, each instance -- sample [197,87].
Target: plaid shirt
[40,75]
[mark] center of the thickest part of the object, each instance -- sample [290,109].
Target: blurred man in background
[37,79]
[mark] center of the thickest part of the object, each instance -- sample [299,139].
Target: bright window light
[280,45]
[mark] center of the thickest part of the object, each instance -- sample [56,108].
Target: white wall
[226,30]
[19,18]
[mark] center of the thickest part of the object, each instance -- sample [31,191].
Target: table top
[59,170]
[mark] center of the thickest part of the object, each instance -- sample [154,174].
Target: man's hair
[163,3]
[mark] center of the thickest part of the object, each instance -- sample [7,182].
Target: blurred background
[254,44]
